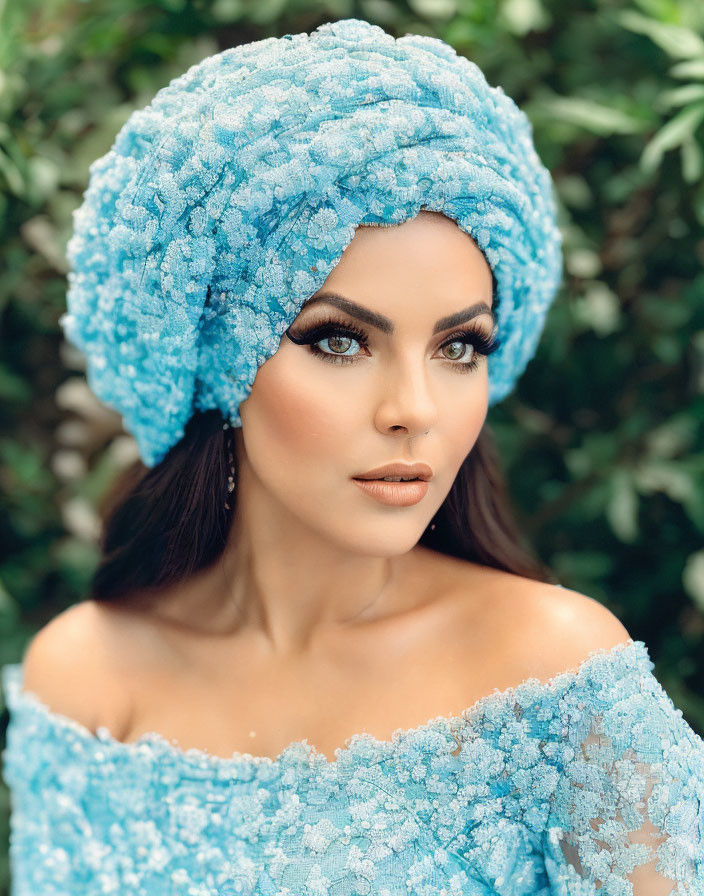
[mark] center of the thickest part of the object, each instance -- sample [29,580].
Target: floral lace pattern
[589,783]
[226,202]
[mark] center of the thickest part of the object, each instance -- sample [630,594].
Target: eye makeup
[332,327]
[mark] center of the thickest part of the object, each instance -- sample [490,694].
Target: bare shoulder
[521,627]
[69,663]
[573,625]
[552,629]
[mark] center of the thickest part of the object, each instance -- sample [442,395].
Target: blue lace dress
[591,782]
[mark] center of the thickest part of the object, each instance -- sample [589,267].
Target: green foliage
[602,440]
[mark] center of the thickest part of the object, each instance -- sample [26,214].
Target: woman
[292,677]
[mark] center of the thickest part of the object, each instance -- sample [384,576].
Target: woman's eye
[338,344]
[339,339]
[459,349]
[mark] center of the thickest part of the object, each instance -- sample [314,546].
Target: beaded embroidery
[499,800]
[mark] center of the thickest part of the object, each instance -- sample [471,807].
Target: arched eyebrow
[385,324]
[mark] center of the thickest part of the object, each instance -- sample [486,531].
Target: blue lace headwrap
[225,203]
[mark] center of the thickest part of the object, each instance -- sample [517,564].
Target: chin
[390,538]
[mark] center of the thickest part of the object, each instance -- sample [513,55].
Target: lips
[407,471]
[400,494]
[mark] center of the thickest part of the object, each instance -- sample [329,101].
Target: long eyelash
[482,344]
[328,327]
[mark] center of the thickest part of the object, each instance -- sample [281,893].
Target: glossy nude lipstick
[400,494]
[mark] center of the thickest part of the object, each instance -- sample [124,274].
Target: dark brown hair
[163,524]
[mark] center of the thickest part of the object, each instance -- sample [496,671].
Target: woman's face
[319,415]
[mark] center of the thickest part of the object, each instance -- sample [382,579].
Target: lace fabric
[628,809]
[589,783]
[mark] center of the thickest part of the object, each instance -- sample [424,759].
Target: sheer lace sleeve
[627,814]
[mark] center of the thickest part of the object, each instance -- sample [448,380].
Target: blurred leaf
[263,12]
[76,559]
[227,11]
[598,309]
[523,16]
[693,578]
[12,386]
[622,508]
[9,611]
[574,191]
[24,465]
[674,133]
[673,39]
[665,10]
[676,481]
[588,114]
[673,437]
[434,9]
[692,68]
[384,12]
[14,180]
[680,96]
[41,236]
[692,160]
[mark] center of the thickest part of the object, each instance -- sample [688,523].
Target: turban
[226,202]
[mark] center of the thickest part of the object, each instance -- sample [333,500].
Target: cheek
[293,413]
[460,420]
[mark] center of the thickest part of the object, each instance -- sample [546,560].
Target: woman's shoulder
[69,665]
[569,626]
[539,629]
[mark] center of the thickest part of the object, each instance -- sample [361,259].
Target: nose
[406,401]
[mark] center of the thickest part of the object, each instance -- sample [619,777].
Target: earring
[231,477]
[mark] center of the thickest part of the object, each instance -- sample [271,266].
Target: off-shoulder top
[589,783]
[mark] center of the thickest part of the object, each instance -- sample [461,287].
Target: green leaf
[693,578]
[675,40]
[675,436]
[264,12]
[522,16]
[692,160]
[12,174]
[681,96]
[227,10]
[668,477]
[384,12]
[588,114]
[13,387]
[683,125]
[692,68]
[622,506]
[434,9]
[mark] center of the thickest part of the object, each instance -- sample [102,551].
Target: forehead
[425,266]
[428,246]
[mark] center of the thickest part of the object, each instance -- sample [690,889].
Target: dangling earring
[231,477]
